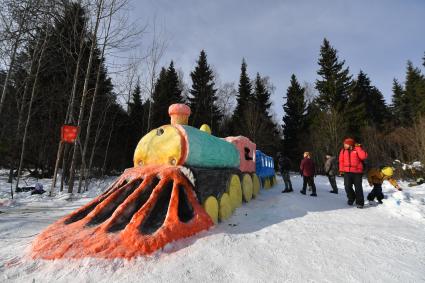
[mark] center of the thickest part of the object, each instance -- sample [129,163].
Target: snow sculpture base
[146,208]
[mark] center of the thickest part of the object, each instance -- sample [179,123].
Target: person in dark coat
[284,164]
[331,170]
[351,159]
[308,171]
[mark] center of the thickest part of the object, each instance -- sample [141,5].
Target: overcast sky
[279,38]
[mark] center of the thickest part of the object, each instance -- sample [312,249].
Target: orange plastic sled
[146,208]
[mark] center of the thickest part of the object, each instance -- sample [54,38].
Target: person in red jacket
[351,160]
[307,171]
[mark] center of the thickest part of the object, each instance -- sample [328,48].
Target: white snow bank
[276,237]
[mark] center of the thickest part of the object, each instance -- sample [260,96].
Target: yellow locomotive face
[160,146]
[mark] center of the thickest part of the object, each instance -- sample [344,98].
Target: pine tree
[293,120]
[262,96]
[203,95]
[136,110]
[244,96]
[173,88]
[366,105]
[335,84]
[399,105]
[376,108]
[159,115]
[424,60]
[415,94]
[356,110]
[167,91]
[257,118]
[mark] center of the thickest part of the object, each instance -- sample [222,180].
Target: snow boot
[380,201]
[287,190]
[333,192]
[360,206]
[350,202]
[303,192]
[313,195]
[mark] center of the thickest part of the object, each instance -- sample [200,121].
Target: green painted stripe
[206,150]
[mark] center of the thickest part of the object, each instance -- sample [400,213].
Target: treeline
[56,74]
[351,106]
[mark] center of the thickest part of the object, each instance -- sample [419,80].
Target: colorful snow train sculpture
[184,181]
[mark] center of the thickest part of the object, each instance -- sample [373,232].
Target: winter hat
[387,171]
[349,141]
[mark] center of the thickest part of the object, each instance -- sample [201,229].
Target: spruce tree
[366,105]
[399,106]
[203,95]
[356,110]
[262,96]
[136,116]
[173,88]
[415,94]
[335,83]
[167,91]
[376,108]
[293,120]
[263,129]
[159,109]
[244,96]
[424,60]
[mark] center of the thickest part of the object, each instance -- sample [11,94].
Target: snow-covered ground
[276,237]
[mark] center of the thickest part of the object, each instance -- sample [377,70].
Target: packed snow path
[276,237]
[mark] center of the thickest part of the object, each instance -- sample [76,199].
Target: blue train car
[264,167]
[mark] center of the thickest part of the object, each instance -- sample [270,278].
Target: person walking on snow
[375,178]
[307,171]
[331,170]
[284,166]
[351,158]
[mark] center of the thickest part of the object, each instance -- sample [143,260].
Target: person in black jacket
[284,167]
[331,170]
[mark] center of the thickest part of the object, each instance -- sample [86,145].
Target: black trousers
[376,193]
[310,181]
[332,180]
[286,179]
[355,179]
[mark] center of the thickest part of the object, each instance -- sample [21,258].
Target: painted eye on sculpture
[173,161]
[140,163]
[159,131]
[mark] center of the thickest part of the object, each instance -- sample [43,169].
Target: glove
[400,189]
[370,184]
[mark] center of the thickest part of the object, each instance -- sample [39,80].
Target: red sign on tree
[69,133]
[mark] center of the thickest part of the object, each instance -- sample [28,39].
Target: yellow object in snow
[235,191]
[255,185]
[205,128]
[247,187]
[387,171]
[211,207]
[225,205]
[159,146]
[376,176]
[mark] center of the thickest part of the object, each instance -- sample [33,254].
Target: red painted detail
[184,144]
[246,150]
[79,234]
